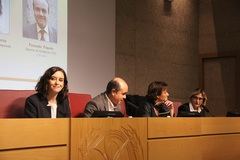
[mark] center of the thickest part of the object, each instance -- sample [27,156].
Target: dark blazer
[30,31]
[140,106]
[184,111]
[36,107]
[148,110]
[98,103]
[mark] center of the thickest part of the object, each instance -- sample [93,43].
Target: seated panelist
[196,105]
[51,99]
[110,100]
[156,103]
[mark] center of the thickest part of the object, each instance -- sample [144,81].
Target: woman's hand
[170,106]
[169,103]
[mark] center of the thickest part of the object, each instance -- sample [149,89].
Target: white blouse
[53,110]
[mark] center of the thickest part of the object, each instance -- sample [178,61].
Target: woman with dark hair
[51,99]
[157,103]
[196,105]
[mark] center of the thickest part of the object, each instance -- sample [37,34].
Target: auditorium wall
[91,45]
[158,40]
[186,43]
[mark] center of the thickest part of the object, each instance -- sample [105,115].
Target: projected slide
[33,37]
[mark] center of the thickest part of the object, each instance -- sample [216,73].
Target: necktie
[42,35]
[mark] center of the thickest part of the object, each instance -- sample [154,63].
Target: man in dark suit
[40,30]
[110,100]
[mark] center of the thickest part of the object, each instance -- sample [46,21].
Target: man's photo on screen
[40,20]
[4,16]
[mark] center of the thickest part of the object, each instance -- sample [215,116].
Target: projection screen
[33,37]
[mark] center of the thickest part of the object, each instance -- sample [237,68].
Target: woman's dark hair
[42,86]
[155,89]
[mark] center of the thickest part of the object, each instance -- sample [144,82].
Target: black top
[148,110]
[36,107]
[134,105]
[184,111]
[140,106]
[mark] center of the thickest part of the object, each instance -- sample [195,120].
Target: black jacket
[184,111]
[141,106]
[36,107]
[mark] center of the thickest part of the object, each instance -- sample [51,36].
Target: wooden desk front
[109,139]
[194,138]
[120,139]
[30,139]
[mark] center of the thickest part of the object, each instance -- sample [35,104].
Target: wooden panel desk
[120,139]
[194,138]
[22,139]
[109,139]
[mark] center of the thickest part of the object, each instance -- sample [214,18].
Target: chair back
[78,103]
[12,102]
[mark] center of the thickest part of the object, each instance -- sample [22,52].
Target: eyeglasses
[197,98]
